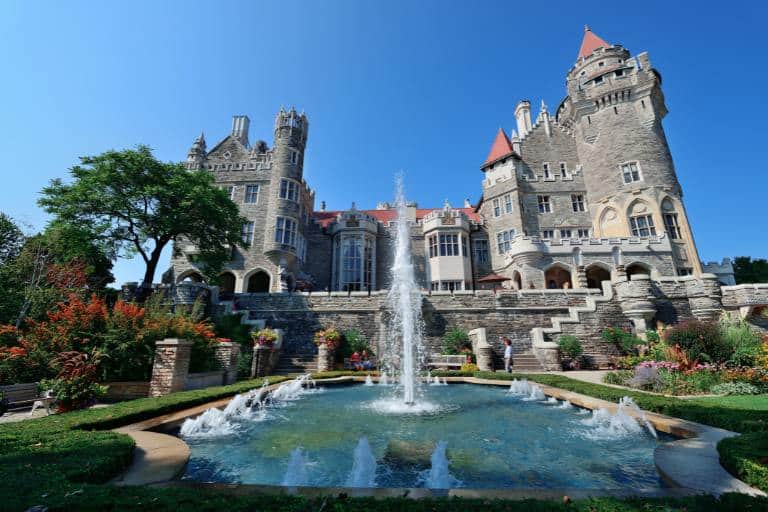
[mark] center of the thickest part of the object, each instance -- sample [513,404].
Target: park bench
[448,362]
[20,396]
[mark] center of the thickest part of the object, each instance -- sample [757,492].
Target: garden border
[691,464]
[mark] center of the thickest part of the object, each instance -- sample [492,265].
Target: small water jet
[607,425]
[363,466]
[384,380]
[368,380]
[439,477]
[296,474]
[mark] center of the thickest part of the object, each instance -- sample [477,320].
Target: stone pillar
[621,271]
[580,279]
[324,358]
[637,301]
[171,365]
[482,350]
[265,358]
[705,297]
[228,355]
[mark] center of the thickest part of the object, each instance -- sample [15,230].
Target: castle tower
[615,108]
[196,154]
[289,197]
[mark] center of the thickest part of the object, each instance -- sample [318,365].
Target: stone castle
[573,198]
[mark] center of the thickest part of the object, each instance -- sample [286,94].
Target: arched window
[226,285]
[557,276]
[596,274]
[671,221]
[638,268]
[517,280]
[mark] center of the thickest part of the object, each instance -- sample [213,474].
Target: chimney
[523,117]
[240,126]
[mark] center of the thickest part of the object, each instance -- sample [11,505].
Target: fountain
[296,474]
[368,380]
[439,477]
[405,303]
[363,467]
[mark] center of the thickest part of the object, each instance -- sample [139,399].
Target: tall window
[504,240]
[289,190]
[672,226]
[583,232]
[547,172]
[548,234]
[496,208]
[577,200]
[246,233]
[356,263]
[449,245]
[432,246]
[285,232]
[294,157]
[230,190]
[566,233]
[464,246]
[252,194]
[642,225]
[544,205]
[563,170]
[481,251]
[508,203]
[631,172]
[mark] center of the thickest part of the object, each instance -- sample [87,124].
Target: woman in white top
[507,354]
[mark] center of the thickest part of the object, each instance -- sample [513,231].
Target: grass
[60,461]
[753,402]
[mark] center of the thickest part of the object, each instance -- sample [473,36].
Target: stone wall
[119,391]
[204,380]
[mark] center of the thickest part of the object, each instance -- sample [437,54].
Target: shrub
[570,346]
[264,337]
[619,378]
[702,341]
[330,337]
[75,385]
[623,339]
[354,341]
[469,367]
[744,343]
[456,341]
[734,388]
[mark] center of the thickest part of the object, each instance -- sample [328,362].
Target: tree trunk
[145,288]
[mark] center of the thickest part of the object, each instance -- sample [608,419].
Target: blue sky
[420,86]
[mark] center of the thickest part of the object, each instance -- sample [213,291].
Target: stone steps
[296,363]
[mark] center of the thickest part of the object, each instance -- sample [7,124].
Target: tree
[136,204]
[11,239]
[747,270]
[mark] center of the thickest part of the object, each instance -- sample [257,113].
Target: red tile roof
[386,216]
[590,43]
[501,147]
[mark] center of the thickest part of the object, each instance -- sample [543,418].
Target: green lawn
[748,402]
[62,461]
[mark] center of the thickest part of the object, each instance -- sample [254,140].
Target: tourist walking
[507,354]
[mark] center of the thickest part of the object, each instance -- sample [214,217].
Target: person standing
[507,354]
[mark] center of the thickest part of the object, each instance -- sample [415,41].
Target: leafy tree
[11,239]
[747,270]
[136,204]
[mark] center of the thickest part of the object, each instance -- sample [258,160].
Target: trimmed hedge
[58,461]
[746,456]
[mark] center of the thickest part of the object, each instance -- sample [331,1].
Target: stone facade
[570,200]
[171,365]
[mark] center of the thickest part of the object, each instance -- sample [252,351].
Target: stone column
[580,279]
[228,355]
[705,297]
[324,358]
[483,351]
[636,300]
[171,365]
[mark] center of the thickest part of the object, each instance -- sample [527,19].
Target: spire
[590,43]
[501,147]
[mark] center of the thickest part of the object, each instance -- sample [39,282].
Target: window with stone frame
[563,170]
[294,157]
[356,264]
[566,233]
[433,251]
[252,193]
[508,203]
[496,208]
[504,240]
[547,172]
[642,226]
[285,232]
[544,204]
[230,190]
[547,234]
[630,171]
[289,190]
[672,226]
[685,271]
[449,244]
[481,250]
[246,232]
[577,201]
[464,246]
[583,232]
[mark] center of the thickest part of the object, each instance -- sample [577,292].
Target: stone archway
[596,274]
[517,280]
[190,276]
[258,282]
[557,276]
[637,268]
[226,284]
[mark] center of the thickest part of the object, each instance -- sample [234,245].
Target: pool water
[494,440]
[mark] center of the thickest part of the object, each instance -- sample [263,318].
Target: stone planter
[265,358]
[324,358]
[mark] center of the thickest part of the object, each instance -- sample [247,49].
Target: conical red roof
[590,43]
[501,147]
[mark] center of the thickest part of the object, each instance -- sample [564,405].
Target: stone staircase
[523,362]
[295,364]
